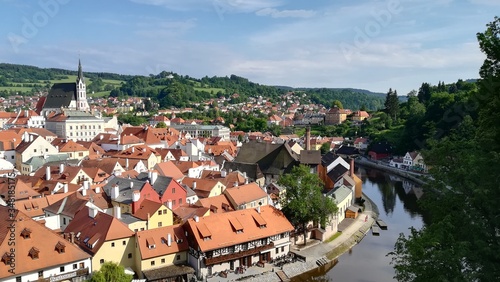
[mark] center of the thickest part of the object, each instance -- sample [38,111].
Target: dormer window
[6,258]
[150,242]
[26,233]
[60,247]
[34,252]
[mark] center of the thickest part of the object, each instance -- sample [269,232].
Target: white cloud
[220,6]
[285,13]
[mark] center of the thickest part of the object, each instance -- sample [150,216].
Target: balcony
[65,276]
[238,255]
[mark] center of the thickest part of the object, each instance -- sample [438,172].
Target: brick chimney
[351,169]
[308,138]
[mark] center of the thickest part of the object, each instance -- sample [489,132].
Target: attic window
[177,239]
[261,223]
[236,225]
[6,258]
[60,247]
[34,252]
[35,205]
[150,242]
[26,233]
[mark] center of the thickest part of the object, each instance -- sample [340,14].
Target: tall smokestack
[47,173]
[351,169]
[308,138]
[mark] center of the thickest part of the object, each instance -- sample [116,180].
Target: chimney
[126,163]
[351,169]
[65,187]
[136,195]
[26,113]
[31,138]
[72,237]
[235,184]
[131,184]
[308,138]
[196,218]
[26,136]
[101,136]
[92,212]
[115,190]
[61,168]
[223,173]
[169,204]
[150,174]
[97,190]
[118,212]
[258,209]
[194,185]
[84,191]
[86,184]
[132,149]
[47,173]
[169,239]
[246,180]
[154,176]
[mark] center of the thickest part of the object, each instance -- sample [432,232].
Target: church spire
[80,72]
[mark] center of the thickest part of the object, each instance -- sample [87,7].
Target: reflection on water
[396,199]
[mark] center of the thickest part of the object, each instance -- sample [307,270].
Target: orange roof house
[246,236]
[104,237]
[39,252]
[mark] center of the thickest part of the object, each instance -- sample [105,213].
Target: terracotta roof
[178,241]
[147,209]
[22,190]
[106,164]
[216,204]
[221,227]
[101,228]
[176,153]
[187,211]
[203,186]
[185,166]
[35,207]
[169,169]
[245,193]
[39,239]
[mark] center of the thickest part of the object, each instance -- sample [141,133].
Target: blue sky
[370,44]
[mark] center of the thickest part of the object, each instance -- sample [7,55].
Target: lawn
[99,94]
[16,88]
[210,90]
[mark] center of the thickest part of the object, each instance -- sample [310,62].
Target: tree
[111,272]
[392,103]
[338,104]
[303,201]
[325,148]
[461,242]
[161,124]
[424,93]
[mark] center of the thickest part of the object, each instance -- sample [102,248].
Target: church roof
[60,95]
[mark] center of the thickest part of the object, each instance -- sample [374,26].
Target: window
[40,274]
[282,249]
[34,150]
[80,154]
[61,269]
[160,224]
[162,260]
[82,265]
[180,201]
[277,250]
[70,127]
[129,255]
[46,149]
[19,279]
[75,266]
[124,242]
[101,261]
[152,263]
[112,244]
[64,220]
[178,257]
[159,212]
[164,211]
[173,203]
[142,228]
[173,190]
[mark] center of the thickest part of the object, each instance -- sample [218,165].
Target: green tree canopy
[461,243]
[111,272]
[338,104]
[304,201]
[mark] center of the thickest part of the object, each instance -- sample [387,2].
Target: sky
[367,44]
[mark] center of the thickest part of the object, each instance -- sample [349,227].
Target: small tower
[81,91]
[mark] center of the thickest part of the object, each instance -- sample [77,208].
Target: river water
[396,200]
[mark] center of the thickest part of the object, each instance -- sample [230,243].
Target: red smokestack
[351,171]
[308,138]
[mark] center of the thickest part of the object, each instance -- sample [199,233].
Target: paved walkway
[313,252]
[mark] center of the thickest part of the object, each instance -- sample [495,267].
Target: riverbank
[403,173]
[313,252]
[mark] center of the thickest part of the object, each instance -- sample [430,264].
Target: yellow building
[161,252]
[103,236]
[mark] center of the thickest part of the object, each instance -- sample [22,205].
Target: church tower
[81,91]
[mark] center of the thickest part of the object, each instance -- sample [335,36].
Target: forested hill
[173,90]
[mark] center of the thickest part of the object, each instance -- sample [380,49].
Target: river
[396,200]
